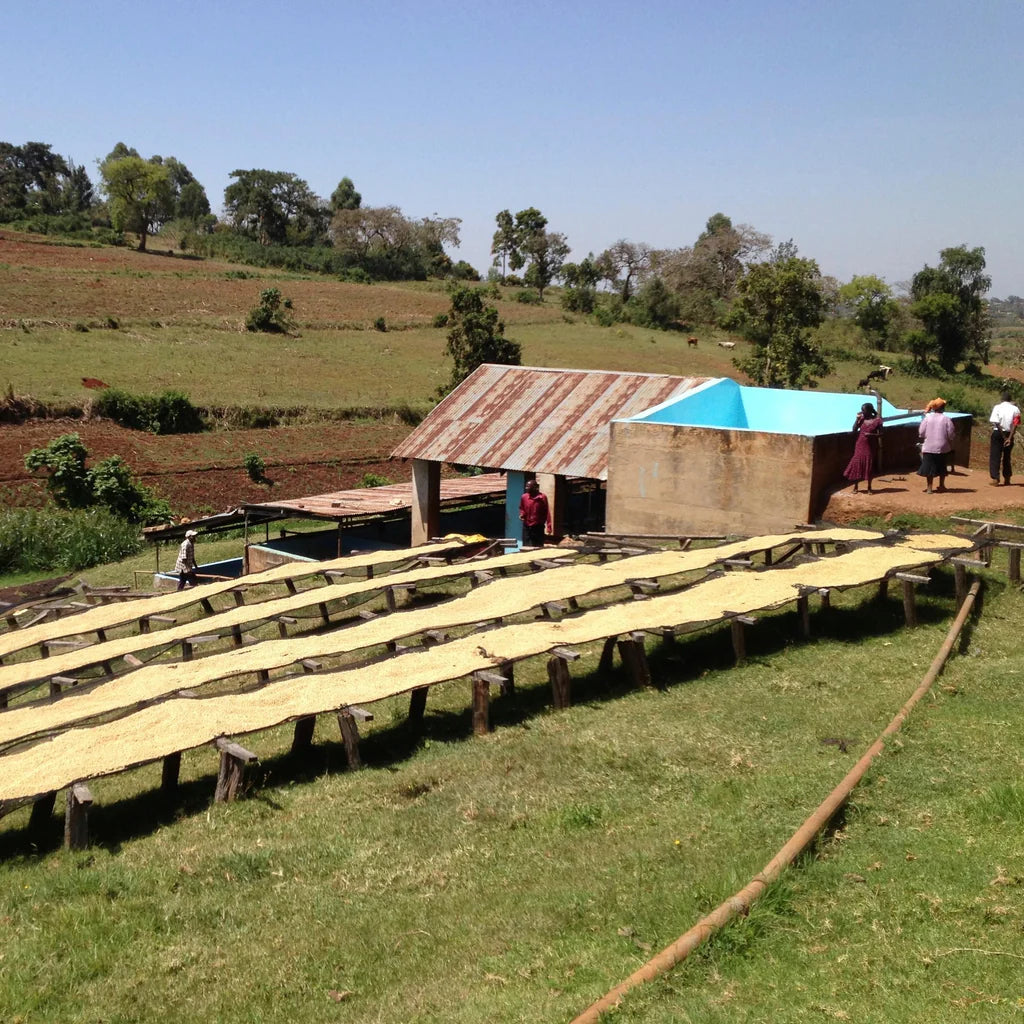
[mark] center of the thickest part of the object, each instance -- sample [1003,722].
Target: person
[936,433]
[868,428]
[534,512]
[1005,419]
[185,566]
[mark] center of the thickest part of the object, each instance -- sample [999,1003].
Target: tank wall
[665,479]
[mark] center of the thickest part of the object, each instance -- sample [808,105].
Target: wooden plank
[76,817]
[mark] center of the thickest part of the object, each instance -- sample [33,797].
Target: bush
[374,480]
[440,320]
[254,466]
[169,413]
[528,297]
[380,324]
[42,540]
[271,315]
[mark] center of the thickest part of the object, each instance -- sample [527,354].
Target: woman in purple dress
[868,428]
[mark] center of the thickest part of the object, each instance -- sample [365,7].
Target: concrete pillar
[556,488]
[426,501]
[515,484]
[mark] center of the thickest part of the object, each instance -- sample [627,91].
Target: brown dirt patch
[202,473]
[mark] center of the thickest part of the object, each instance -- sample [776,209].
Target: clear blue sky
[872,134]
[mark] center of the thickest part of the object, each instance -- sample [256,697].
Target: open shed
[527,420]
[725,458]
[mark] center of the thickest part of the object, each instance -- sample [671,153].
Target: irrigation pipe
[741,902]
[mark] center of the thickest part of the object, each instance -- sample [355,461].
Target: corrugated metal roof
[369,501]
[537,419]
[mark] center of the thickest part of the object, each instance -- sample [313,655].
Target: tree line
[731,276]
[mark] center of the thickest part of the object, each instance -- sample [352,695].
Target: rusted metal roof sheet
[536,419]
[370,501]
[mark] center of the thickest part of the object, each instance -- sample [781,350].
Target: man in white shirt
[1004,419]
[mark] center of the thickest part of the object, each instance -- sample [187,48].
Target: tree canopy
[475,336]
[139,193]
[778,301]
[947,300]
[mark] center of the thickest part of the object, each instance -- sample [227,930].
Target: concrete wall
[665,479]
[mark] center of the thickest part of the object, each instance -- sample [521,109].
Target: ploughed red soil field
[203,473]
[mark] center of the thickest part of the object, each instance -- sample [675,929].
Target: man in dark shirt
[533,511]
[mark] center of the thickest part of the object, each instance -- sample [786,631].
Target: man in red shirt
[533,511]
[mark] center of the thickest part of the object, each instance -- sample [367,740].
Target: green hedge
[40,540]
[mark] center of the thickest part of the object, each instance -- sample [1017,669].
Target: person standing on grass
[535,514]
[185,566]
[868,428]
[1005,419]
[936,433]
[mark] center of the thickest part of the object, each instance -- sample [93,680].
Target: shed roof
[537,419]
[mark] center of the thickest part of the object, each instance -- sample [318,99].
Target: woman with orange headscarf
[936,433]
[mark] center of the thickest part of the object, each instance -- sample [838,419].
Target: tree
[778,301]
[35,180]
[503,244]
[546,251]
[109,483]
[874,308]
[275,207]
[654,305]
[140,194]
[623,264]
[345,197]
[948,302]
[475,336]
[580,294]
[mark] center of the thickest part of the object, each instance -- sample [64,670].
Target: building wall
[666,479]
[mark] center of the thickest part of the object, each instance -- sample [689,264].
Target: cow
[882,373]
[692,342]
[727,344]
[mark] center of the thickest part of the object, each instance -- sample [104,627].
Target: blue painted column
[515,484]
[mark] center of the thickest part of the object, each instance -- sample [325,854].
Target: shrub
[271,315]
[380,324]
[169,413]
[254,466]
[440,320]
[374,480]
[528,297]
[41,540]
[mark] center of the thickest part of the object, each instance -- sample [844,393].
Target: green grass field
[520,876]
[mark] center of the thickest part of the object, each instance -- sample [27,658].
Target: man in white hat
[185,566]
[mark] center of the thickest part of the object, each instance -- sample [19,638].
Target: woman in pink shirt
[936,433]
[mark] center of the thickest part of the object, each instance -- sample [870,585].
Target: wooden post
[350,737]
[739,643]
[302,737]
[909,603]
[607,655]
[803,607]
[633,656]
[42,812]
[76,817]
[418,703]
[231,774]
[481,705]
[826,598]
[170,771]
[960,573]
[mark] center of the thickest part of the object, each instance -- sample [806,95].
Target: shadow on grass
[671,663]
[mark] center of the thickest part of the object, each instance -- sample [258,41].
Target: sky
[872,134]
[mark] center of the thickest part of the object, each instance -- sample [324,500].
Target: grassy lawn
[520,876]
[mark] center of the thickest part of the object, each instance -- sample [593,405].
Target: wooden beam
[561,682]
[481,705]
[350,737]
[631,651]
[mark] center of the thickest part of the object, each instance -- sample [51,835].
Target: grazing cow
[727,344]
[692,342]
[882,373]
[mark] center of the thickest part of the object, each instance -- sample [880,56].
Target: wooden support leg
[607,655]
[302,737]
[508,670]
[323,613]
[909,603]
[1014,567]
[561,682]
[481,706]
[883,590]
[290,584]
[42,812]
[389,598]
[186,651]
[803,607]
[239,596]
[739,641]
[635,659]
[350,737]
[231,774]
[170,773]
[206,606]
[826,598]
[236,636]
[417,703]
[76,817]
[960,573]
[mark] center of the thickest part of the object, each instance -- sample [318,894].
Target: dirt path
[968,489]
